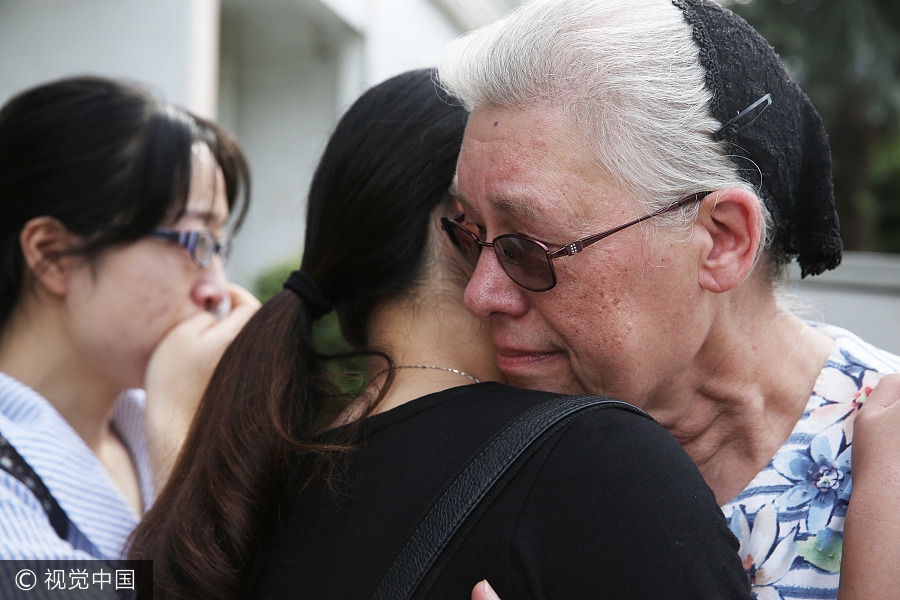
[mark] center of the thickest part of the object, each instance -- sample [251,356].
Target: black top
[610,507]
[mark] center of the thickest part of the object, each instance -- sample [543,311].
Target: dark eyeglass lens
[464,242]
[525,262]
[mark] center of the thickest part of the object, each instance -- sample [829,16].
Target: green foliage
[271,280]
[846,57]
[886,180]
[346,371]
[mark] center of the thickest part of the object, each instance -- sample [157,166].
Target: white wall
[168,44]
[862,295]
[280,81]
[289,68]
[403,35]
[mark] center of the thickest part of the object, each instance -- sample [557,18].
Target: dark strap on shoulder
[417,565]
[13,463]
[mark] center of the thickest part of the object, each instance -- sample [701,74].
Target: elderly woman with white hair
[591,116]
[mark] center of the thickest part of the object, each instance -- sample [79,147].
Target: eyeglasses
[529,262]
[201,243]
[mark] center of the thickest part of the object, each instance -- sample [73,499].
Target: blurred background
[278,74]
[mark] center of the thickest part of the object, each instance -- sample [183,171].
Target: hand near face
[179,370]
[870,567]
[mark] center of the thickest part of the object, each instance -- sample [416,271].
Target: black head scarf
[775,136]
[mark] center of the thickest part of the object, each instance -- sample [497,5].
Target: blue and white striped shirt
[101,518]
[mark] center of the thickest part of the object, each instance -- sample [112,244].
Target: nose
[209,290]
[491,292]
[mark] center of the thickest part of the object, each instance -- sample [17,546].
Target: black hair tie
[309,291]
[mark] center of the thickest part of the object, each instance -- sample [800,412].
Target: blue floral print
[789,520]
[821,477]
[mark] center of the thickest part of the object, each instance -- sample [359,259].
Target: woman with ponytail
[283,492]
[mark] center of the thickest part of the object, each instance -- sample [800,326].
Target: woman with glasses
[283,492]
[113,214]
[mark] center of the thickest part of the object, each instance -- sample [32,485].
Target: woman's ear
[44,241]
[728,230]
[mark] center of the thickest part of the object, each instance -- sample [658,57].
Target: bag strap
[416,567]
[13,463]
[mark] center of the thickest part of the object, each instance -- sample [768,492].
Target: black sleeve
[618,509]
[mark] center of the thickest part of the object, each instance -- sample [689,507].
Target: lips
[515,360]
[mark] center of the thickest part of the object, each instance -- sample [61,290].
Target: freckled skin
[609,325]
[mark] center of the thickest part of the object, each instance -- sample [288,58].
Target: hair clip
[734,125]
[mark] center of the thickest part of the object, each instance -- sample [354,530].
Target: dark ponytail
[257,415]
[253,444]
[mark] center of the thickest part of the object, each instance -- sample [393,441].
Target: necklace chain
[457,371]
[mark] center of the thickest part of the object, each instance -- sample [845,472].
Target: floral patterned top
[790,519]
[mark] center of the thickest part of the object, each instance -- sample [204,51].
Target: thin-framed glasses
[201,243]
[527,261]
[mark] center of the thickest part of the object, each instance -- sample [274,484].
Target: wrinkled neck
[743,393]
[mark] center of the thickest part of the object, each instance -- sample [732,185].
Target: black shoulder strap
[416,567]
[13,463]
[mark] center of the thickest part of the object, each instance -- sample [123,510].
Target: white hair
[629,75]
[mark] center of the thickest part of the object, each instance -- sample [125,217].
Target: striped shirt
[790,519]
[101,518]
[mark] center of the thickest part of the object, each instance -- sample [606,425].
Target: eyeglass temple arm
[181,238]
[457,219]
[188,239]
[579,245]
